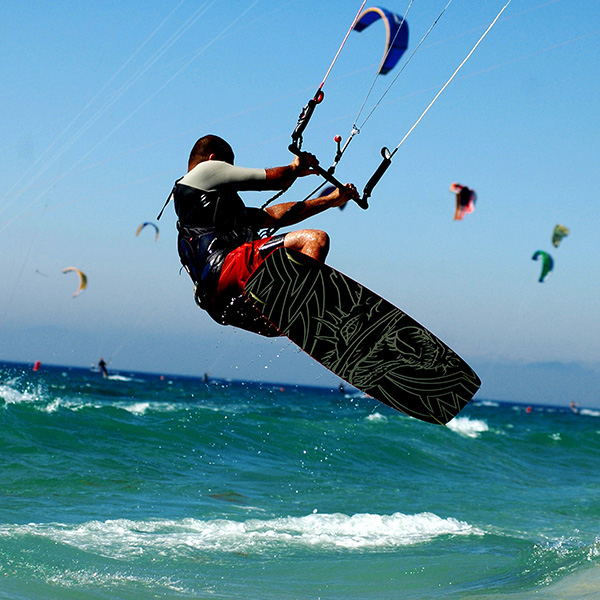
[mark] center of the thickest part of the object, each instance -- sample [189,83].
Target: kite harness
[210,226]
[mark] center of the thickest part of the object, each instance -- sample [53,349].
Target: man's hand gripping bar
[327,176]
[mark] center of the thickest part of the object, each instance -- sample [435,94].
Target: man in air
[219,241]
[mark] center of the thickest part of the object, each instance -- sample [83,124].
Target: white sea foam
[589,413]
[468,427]
[136,408]
[361,532]
[53,406]
[123,378]
[66,404]
[67,578]
[141,408]
[40,401]
[488,403]
[376,418]
[12,396]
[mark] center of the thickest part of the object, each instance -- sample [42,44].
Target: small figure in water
[574,407]
[219,241]
[102,367]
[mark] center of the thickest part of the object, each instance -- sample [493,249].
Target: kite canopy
[396,35]
[465,200]
[146,224]
[547,264]
[560,231]
[82,280]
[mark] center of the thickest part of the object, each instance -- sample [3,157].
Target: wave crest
[468,427]
[122,538]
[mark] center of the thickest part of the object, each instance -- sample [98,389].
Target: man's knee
[320,238]
[312,242]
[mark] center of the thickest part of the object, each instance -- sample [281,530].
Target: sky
[101,103]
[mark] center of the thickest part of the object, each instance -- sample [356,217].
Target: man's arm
[281,214]
[280,178]
[213,174]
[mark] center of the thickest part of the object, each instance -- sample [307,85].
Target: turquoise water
[139,486]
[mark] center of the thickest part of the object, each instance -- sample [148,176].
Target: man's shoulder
[204,174]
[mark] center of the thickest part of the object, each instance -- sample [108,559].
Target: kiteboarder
[102,367]
[219,242]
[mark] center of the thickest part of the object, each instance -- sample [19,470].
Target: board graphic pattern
[361,337]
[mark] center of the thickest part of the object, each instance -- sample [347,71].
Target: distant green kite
[547,264]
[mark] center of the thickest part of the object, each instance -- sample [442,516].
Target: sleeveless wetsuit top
[210,226]
[213,221]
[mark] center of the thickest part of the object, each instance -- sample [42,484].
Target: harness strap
[168,200]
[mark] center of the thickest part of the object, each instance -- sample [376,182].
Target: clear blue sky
[101,103]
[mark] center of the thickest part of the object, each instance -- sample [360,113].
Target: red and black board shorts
[241,262]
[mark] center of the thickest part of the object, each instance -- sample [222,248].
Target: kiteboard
[361,338]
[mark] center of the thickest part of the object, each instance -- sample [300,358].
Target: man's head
[210,147]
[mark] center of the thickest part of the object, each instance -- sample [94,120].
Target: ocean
[144,486]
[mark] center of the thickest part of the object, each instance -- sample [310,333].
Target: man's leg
[312,242]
